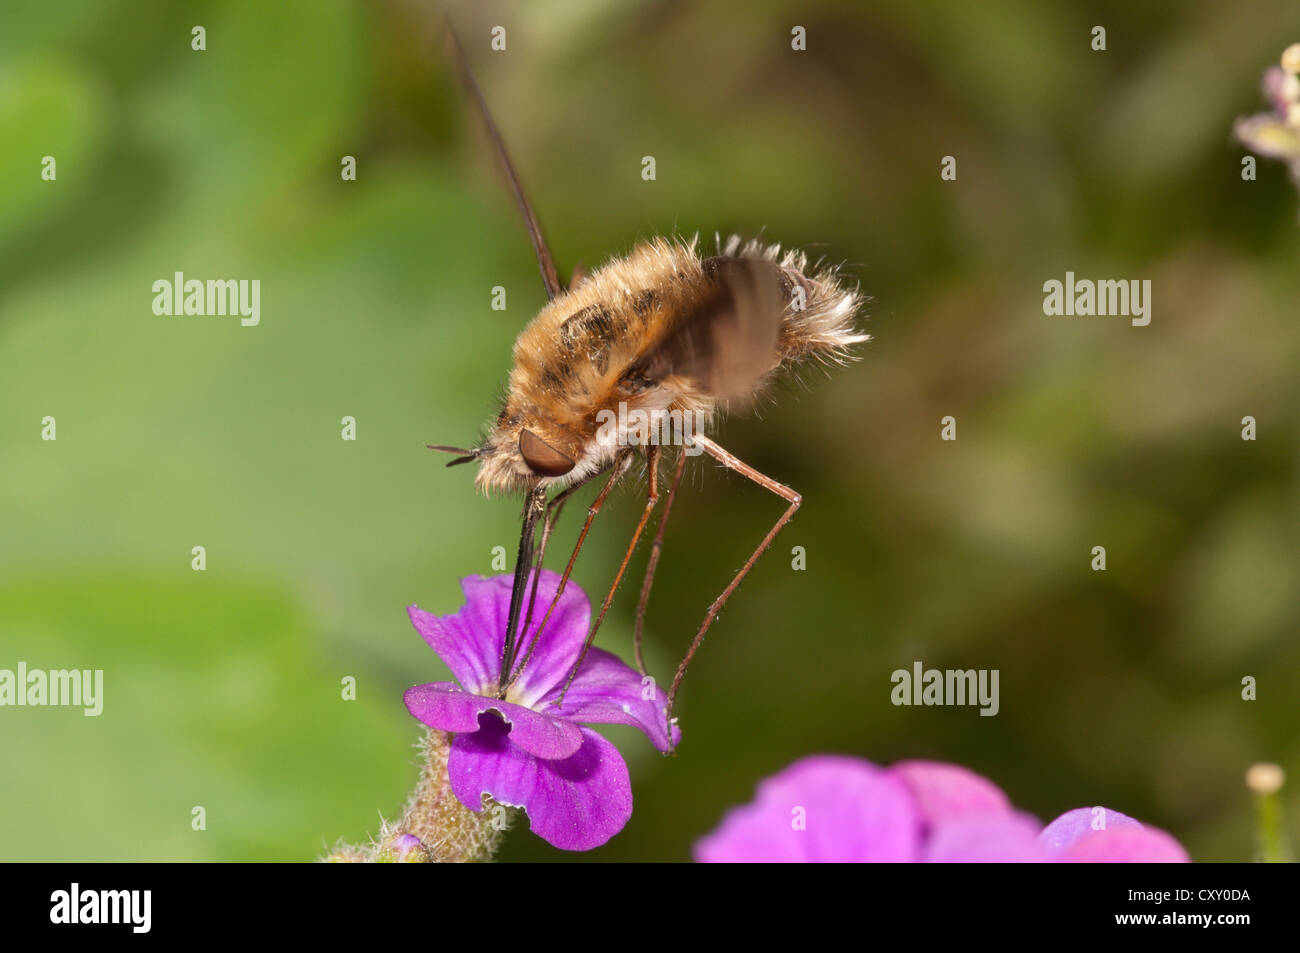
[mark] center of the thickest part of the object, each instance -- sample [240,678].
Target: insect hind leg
[656,548]
[732,462]
[652,498]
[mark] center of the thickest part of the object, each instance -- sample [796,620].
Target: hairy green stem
[447,831]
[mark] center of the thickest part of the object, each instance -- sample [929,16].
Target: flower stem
[449,831]
[1265,781]
[435,827]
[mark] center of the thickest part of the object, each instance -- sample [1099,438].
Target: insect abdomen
[818,321]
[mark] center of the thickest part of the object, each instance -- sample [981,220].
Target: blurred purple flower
[523,750]
[835,809]
[1276,134]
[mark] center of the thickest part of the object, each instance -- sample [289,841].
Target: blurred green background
[222,689]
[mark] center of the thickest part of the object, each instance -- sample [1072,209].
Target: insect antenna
[467,456]
[545,261]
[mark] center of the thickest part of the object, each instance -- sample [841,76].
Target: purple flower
[406,847]
[1276,134]
[835,809]
[524,750]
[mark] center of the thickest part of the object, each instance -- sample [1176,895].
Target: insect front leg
[780,489]
[620,467]
[652,497]
[553,510]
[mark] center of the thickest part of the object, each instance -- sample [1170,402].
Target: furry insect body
[659,330]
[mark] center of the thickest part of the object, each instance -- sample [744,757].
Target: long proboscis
[534,504]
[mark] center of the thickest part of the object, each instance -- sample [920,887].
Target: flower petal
[1099,835]
[823,809]
[1008,838]
[608,692]
[474,660]
[576,803]
[1268,136]
[1080,822]
[471,641]
[560,642]
[1126,845]
[1275,89]
[946,792]
[445,706]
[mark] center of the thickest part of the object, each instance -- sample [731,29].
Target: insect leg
[553,510]
[780,489]
[655,549]
[620,466]
[652,497]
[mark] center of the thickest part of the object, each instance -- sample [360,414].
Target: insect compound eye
[541,457]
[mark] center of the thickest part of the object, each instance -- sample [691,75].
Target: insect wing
[726,342]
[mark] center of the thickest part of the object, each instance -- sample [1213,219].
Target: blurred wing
[728,342]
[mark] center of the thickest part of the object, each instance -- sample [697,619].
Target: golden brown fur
[593,347]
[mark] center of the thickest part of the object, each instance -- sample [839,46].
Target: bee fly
[663,331]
